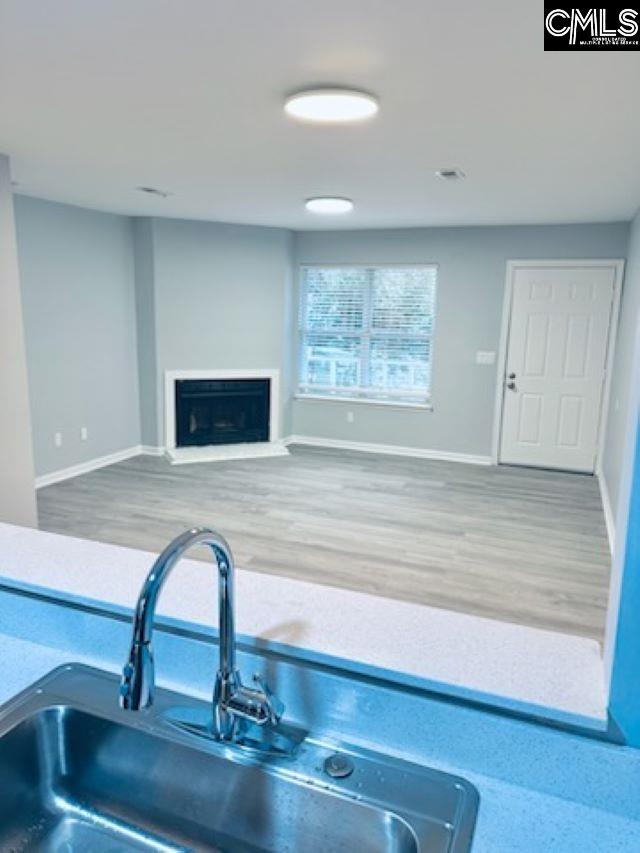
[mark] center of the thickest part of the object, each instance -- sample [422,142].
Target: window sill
[385,404]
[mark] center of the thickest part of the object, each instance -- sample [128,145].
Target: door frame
[505,329]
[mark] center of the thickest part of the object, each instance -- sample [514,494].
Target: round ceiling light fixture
[329,205]
[331,105]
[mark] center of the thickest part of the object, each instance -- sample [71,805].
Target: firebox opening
[221,411]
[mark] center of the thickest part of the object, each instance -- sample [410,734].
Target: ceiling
[97,98]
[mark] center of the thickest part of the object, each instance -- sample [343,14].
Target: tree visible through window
[366,332]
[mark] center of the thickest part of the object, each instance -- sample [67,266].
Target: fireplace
[221,411]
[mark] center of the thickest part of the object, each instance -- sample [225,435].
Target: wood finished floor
[521,545]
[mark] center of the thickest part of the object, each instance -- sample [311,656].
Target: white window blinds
[365,332]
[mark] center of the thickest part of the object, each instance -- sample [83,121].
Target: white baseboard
[609,518]
[339,444]
[151,450]
[86,467]
[389,449]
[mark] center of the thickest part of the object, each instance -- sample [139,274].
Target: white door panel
[556,357]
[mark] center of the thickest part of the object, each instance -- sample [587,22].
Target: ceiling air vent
[153,191]
[452,174]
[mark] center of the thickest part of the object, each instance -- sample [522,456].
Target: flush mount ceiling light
[329,205]
[450,174]
[331,105]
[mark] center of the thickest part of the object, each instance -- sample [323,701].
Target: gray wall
[111,303]
[470,292]
[17,493]
[613,460]
[221,300]
[146,328]
[77,279]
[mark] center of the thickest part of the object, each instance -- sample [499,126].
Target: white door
[555,366]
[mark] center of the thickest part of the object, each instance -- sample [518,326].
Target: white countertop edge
[469,654]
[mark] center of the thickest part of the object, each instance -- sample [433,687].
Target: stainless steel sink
[78,775]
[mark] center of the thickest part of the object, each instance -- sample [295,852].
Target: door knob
[511,376]
[511,386]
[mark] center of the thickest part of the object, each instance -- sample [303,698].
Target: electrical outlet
[350,417]
[84,433]
[57,439]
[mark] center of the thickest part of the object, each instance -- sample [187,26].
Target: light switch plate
[485,357]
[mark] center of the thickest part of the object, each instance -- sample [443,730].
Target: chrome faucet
[232,701]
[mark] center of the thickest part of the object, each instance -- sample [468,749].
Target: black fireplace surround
[221,411]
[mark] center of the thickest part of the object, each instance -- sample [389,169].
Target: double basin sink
[79,775]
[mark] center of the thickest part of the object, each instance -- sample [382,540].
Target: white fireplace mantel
[273,447]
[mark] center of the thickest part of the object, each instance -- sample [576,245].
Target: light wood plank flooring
[516,544]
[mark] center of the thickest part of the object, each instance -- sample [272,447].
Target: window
[366,333]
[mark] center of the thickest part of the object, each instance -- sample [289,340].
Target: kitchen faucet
[232,701]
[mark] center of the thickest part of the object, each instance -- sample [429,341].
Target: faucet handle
[136,684]
[274,706]
[125,682]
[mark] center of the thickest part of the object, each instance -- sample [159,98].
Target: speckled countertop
[541,791]
[514,666]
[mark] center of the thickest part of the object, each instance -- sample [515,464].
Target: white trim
[151,450]
[389,449]
[86,467]
[609,518]
[386,404]
[170,377]
[501,363]
[278,449]
[503,346]
[359,265]
[608,365]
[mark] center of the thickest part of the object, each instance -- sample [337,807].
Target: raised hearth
[222,414]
